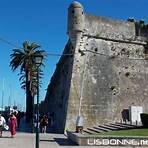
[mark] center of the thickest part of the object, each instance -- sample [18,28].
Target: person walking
[44,123]
[12,125]
[2,124]
[18,117]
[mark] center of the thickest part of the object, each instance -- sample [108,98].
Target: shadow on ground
[42,140]
[60,141]
[65,142]
[5,137]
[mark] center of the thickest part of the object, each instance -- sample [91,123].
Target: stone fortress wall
[103,74]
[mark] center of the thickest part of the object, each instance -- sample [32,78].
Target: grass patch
[129,132]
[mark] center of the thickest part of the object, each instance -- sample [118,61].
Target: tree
[23,58]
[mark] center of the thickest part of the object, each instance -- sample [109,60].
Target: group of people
[12,123]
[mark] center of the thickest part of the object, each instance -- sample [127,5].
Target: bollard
[79,124]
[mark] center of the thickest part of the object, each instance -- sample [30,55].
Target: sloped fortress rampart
[104,72]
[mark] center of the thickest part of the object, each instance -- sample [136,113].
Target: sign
[135,112]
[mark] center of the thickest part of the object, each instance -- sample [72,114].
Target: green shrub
[144,119]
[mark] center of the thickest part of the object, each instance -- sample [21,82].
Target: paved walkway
[27,140]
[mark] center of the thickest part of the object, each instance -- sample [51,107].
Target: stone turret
[75,22]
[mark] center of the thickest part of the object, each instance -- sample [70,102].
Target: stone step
[94,130]
[102,129]
[87,131]
[110,127]
[115,127]
[125,125]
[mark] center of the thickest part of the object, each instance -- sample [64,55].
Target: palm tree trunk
[29,100]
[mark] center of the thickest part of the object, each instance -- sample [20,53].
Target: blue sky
[45,22]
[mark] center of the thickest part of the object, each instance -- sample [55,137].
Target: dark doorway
[125,114]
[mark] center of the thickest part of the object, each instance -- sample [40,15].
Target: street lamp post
[38,62]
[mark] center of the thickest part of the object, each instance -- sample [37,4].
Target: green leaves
[23,59]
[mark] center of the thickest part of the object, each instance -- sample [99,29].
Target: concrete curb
[101,140]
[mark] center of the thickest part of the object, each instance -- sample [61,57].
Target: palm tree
[33,82]
[23,58]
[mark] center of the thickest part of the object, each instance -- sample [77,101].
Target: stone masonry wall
[109,28]
[56,100]
[107,73]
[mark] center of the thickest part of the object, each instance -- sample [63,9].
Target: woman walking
[12,125]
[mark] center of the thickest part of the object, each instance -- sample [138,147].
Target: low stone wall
[101,140]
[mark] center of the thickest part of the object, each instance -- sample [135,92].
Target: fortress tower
[75,22]
[105,74]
